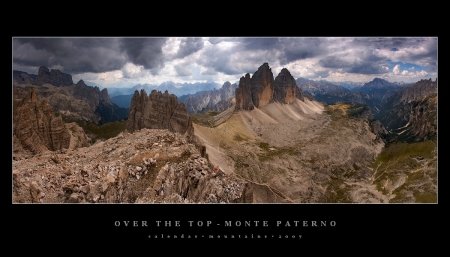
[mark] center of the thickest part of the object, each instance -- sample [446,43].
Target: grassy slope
[408,171]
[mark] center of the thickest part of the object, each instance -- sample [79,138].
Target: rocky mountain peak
[54,77]
[91,95]
[104,95]
[262,89]
[285,71]
[81,82]
[286,89]
[244,99]
[262,86]
[227,84]
[159,111]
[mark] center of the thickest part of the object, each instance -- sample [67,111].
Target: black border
[373,225]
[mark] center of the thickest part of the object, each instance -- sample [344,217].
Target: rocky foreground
[147,166]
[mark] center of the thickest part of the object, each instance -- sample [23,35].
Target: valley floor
[302,153]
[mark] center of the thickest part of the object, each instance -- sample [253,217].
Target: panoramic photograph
[231,120]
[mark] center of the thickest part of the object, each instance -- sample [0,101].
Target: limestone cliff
[37,129]
[286,89]
[411,113]
[91,95]
[243,94]
[262,89]
[262,86]
[76,102]
[159,111]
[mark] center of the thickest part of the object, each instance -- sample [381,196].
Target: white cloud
[396,69]
[130,70]
[171,47]
[423,73]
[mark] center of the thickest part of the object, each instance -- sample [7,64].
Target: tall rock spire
[159,111]
[262,89]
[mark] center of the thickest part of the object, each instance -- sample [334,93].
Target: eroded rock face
[180,121]
[91,95]
[411,113]
[243,94]
[262,89]
[76,102]
[147,166]
[262,86]
[37,129]
[158,111]
[286,89]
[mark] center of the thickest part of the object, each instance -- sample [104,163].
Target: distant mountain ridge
[177,89]
[213,100]
[348,84]
[373,94]
[313,87]
[378,83]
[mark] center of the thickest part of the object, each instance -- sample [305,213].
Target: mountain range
[274,141]
[212,100]
[122,96]
[411,112]
[373,94]
[177,89]
[313,87]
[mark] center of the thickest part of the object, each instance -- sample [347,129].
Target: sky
[128,61]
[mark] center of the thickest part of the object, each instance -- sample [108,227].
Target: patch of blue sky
[407,66]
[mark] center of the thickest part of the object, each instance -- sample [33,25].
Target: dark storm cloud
[254,44]
[217,40]
[335,61]
[367,67]
[189,46]
[365,62]
[385,43]
[74,55]
[144,51]
[245,55]
[429,45]
[301,48]
[219,60]
[357,66]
